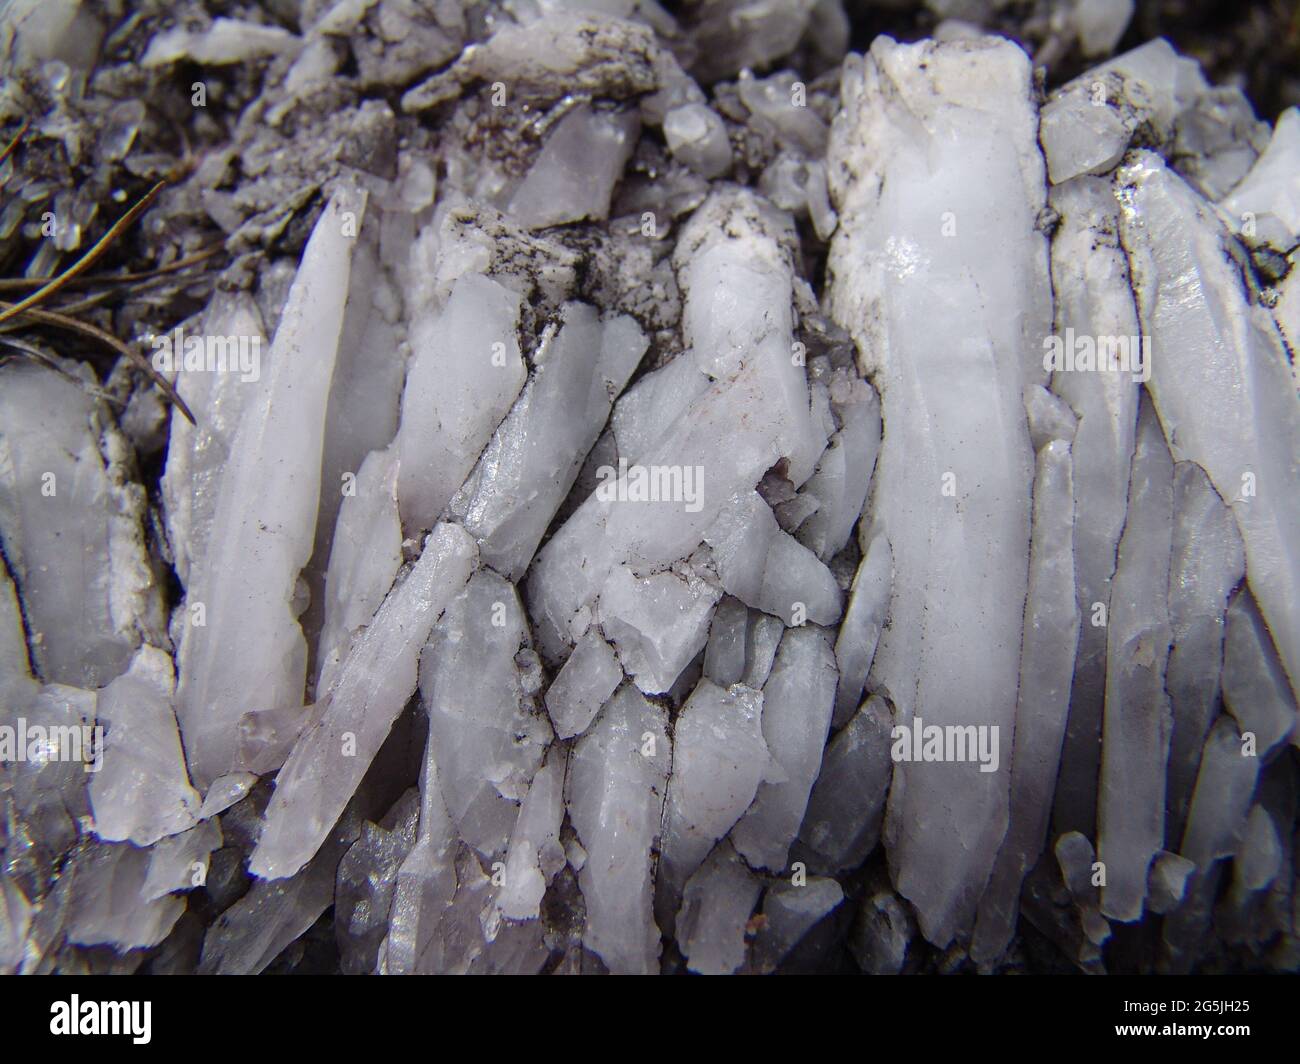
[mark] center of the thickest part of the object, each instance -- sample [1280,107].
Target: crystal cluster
[670,517]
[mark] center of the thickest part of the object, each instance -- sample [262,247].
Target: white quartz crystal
[465,373]
[374,683]
[1135,731]
[1207,562]
[534,457]
[696,136]
[1255,690]
[1094,299]
[798,699]
[486,731]
[842,822]
[615,798]
[582,686]
[265,518]
[71,525]
[573,177]
[658,623]
[859,635]
[917,215]
[1043,701]
[1221,382]
[716,906]
[1265,206]
[719,759]
[789,913]
[365,557]
[768,568]
[142,791]
[535,854]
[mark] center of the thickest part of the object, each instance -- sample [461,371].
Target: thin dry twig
[22,284]
[22,131]
[86,260]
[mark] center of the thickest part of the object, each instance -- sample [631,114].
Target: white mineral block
[226,791]
[15,919]
[265,518]
[574,175]
[724,655]
[50,793]
[649,407]
[365,395]
[842,822]
[769,569]
[1222,383]
[275,912]
[615,797]
[1043,701]
[534,457]
[365,557]
[716,906]
[761,642]
[367,875]
[1207,562]
[1216,823]
[859,634]
[487,735]
[1100,24]
[109,907]
[843,476]
[142,792]
[719,759]
[464,375]
[1135,732]
[16,682]
[778,106]
[1050,418]
[798,699]
[1265,206]
[535,854]
[180,862]
[1255,689]
[916,221]
[789,912]
[885,933]
[583,685]
[1167,882]
[198,454]
[225,41]
[1094,299]
[426,880]
[375,682]
[71,532]
[658,623]
[1287,309]
[696,135]
[1259,854]
[1167,83]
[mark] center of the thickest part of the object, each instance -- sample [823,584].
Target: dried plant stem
[86,260]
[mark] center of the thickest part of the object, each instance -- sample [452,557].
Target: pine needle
[22,130]
[87,260]
[22,284]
